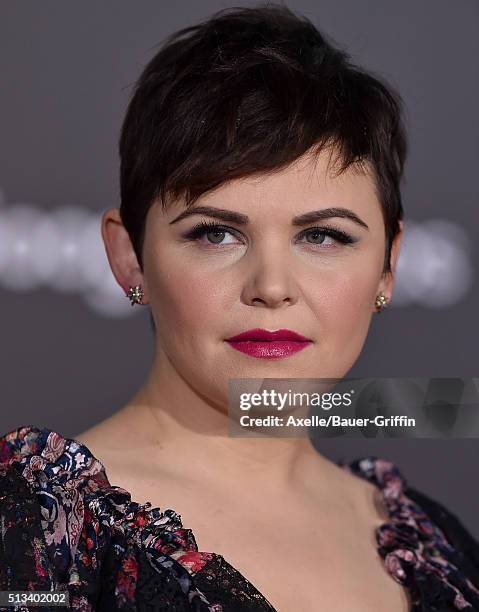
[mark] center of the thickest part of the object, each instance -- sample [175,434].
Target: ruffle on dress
[84,520]
[415,551]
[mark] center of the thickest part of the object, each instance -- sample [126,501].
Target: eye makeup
[204,227]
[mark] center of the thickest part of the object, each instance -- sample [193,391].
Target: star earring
[135,294]
[381,302]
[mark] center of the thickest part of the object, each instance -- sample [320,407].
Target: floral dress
[63,526]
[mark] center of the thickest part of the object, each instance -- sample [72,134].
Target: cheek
[344,306]
[188,302]
[349,299]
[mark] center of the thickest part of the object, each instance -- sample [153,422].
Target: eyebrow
[242,219]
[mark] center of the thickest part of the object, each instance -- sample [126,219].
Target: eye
[215,233]
[320,234]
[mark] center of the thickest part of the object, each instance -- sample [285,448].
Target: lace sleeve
[230,588]
[466,547]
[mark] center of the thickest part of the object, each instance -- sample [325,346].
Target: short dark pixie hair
[247,92]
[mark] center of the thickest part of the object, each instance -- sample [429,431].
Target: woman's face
[267,273]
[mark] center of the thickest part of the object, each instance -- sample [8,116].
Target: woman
[260,174]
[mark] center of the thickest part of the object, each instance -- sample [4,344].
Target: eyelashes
[205,227]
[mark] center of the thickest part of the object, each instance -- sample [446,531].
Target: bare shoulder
[106,440]
[98,439]
[115,442]
[111,434]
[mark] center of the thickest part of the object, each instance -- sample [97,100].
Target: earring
[135,294]
[381,302]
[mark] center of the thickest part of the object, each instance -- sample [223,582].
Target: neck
[178,426]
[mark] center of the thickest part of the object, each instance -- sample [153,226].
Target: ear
[387,282]
[120,252]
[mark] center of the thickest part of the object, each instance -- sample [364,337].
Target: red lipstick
[265,344]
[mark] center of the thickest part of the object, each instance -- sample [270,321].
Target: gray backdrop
[66,73]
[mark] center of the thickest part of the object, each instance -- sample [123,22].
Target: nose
[270,282]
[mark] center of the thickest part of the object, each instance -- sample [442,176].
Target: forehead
[309,183]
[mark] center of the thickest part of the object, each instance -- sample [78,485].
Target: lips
[264,344]
[263,335]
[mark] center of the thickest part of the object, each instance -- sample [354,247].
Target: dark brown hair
[248,91]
